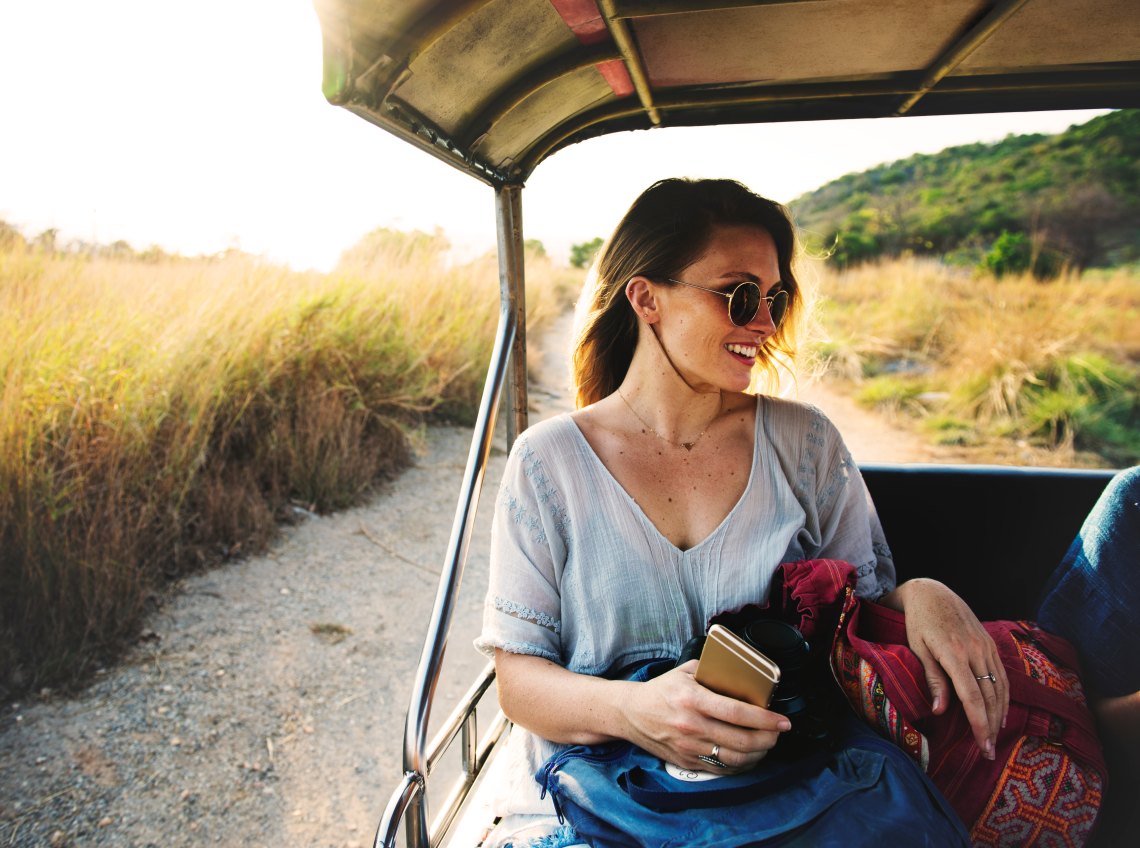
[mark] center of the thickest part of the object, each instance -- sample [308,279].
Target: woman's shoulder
[548,437]
[786,414]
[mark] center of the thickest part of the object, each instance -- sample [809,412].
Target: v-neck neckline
[645,519]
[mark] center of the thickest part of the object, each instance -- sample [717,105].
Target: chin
[737,382]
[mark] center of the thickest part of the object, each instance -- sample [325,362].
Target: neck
[664,401]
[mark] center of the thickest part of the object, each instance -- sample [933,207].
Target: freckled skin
[696,334]
[687,473]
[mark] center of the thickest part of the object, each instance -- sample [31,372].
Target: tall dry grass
[156,417]
[1051,367]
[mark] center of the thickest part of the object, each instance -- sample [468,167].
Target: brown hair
[665,230]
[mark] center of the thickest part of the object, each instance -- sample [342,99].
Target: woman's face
[694,326]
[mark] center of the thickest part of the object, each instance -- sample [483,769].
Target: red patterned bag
[1044,785]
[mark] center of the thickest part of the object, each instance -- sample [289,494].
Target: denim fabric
[1093,598]
[868,793]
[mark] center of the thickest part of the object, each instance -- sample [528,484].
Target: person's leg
[1093,600]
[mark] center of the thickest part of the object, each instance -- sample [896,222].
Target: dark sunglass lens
[779,306]
[744,303]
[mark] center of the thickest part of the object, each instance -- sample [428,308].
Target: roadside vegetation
[158,414]
[1012,369]
[1042,204]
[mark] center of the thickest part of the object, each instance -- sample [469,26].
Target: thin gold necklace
[686,445]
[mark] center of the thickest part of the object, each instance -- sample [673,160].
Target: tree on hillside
[1074,197]
[1079,224]
[581,255]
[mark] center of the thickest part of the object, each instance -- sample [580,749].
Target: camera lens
[785,646]
[796,695]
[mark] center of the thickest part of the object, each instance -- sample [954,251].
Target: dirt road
[264,704]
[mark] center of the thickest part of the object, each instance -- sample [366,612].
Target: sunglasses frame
[767,300]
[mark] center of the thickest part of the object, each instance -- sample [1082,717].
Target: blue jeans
[1093,598]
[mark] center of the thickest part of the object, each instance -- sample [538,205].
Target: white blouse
[581,576]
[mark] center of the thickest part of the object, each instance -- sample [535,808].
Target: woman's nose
[762,321]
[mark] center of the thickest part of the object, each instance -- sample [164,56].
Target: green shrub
[1011,253]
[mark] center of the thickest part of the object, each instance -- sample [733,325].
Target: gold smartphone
[730,666]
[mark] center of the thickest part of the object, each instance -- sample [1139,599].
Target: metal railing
[409,801]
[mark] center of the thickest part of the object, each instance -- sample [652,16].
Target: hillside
[1045,201]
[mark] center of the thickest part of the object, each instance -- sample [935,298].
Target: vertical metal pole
[512,290]
[508,209]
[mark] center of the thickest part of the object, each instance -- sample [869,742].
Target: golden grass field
[983,363]
[157,416]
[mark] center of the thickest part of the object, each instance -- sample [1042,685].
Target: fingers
[983,687]
[699,720]
[984,700]
[980,701]
[733,713]
[935,679]
[955,650]
[743,736]
[731,761]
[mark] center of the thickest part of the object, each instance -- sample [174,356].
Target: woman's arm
[951,643]
[943,632]
[671,716]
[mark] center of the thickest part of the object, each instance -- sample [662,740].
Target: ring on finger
[990,677]
[712,759]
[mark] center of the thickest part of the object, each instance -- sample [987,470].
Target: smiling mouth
[742,351]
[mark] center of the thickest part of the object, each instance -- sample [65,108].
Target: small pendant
[688,445]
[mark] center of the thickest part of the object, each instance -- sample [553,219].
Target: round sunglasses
[744,301]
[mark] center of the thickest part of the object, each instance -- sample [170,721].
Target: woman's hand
[671,716]
[955,649]
[678,719]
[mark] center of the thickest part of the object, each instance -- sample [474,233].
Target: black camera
[798,694]
[801,695]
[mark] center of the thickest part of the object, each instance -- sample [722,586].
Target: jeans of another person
[1093,598]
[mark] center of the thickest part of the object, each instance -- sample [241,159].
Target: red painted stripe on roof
[587,23]
[615,73]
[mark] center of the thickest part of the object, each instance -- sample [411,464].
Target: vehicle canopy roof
[495,86]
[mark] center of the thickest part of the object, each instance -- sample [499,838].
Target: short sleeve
[522,611]
[840,521]
[851,531]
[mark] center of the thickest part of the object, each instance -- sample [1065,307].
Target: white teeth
[743,350]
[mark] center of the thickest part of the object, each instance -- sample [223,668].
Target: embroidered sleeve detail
[487,645]
[814,442]
[837,480]
[527,614]
[544,489]
[524,517]
[885,568]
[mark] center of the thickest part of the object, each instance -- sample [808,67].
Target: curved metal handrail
[410,802]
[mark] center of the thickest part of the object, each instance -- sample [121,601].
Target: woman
[671,494]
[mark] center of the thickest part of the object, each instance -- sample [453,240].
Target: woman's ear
[642,296]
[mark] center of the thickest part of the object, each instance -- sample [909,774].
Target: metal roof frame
[377,50]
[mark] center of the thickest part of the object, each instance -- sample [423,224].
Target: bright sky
[200,126]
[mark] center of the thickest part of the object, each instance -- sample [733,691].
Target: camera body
[769,660]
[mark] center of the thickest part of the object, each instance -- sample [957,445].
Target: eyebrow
[729,276]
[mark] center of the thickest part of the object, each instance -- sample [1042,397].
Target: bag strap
[643,787]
